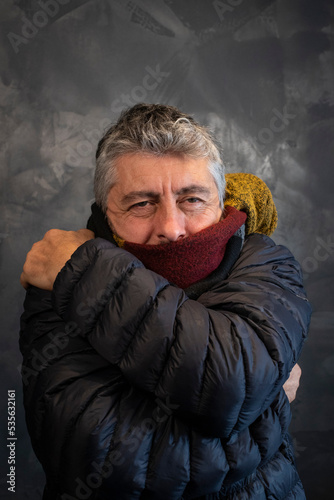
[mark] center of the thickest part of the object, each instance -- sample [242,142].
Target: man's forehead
[139,167]
[142,176]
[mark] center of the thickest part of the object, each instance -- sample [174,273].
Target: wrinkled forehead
[141,170]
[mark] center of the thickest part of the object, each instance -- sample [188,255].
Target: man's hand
[292,384]
[48,256]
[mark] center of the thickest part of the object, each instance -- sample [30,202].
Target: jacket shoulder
[263,258]
[261,248]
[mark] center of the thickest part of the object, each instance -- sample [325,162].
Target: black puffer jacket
[135,391]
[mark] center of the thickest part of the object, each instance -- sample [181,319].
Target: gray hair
[159,130]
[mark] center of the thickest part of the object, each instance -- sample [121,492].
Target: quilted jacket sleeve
[61,376]
[220,360]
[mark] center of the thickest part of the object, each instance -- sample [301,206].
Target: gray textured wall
[259,72]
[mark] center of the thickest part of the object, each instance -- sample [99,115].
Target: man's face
[162,199]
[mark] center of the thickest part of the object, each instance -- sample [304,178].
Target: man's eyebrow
[194,188]
[134,195]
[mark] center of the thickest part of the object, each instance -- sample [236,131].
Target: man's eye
[140,204]
[193,200]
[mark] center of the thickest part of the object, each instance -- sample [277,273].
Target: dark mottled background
[258,72]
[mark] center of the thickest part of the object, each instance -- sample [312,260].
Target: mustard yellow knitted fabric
[248,193]
[118,240]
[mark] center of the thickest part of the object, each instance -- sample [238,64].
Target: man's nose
[170,224]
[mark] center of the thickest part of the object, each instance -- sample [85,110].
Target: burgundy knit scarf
[187,261]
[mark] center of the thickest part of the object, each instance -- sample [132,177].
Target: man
[155,354]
